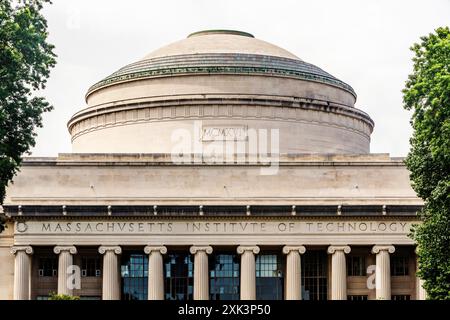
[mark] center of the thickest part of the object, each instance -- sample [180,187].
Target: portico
[284,241]
[111,285]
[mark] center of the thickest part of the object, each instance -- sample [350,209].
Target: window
[91,267]
[178,276]
[134,271]
[401,297]
[314,275]
[224,277]
[399,266]
[48,267]
[269,277]
[356,266]
[357,298]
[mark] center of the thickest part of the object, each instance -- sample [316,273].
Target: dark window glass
[48,267]
[269,277]
[134,271]
[401,297]
[178,276]
[357,298]
[314,275]
[399,266]
[224,277]
[356,265]
[91,266]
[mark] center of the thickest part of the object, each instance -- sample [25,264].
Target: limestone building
[217,167]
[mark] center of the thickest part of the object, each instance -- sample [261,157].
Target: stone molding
[160,249]
[288,249]
[345,117]
[59,249]
[377,248]
[220,63]
[28,249]
[194,249]
[253,249]
[333,248]
[116,249]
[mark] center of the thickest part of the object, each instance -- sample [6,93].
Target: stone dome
[221,41]
[220,81]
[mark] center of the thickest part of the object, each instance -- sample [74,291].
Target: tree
[25,62]
[427,94]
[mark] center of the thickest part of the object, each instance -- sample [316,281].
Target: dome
[221,41]
[230,82]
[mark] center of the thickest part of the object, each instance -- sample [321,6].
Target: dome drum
[222,80]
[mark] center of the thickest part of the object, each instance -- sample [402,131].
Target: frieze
[202,227]
[152,111]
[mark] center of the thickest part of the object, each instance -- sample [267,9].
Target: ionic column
[248,271]
[111,275]
[155,272]
[383,271]
[421,294]
[338,272]
[22,270]
[293,272]
[65,260]
[201,271]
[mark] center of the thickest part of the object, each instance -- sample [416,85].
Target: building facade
[217,167]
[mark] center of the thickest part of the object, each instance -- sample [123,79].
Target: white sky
[364,43]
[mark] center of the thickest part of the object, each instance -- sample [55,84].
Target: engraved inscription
[224,133]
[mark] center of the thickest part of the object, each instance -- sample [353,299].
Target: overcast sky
[364,43]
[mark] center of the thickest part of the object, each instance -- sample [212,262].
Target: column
[22,271]
[65,260]
[248,272]
[155,272]
[201,271]
[383,271]
[293,272]
[338,272]
[421,294]
[111,275]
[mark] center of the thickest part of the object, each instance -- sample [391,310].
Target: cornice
[237,108]
[219,218]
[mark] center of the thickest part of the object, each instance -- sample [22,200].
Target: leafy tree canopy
[427,94]
[25,62]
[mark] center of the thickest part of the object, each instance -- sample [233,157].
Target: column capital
[377,248]
[160,249]
[288,249]
[116,249]
[242,249]
[332,249]
[195,249]
[59,249]
[27,249]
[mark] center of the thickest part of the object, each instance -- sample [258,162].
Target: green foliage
[55,296]
[427,94]
[25,62]
[2,222]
